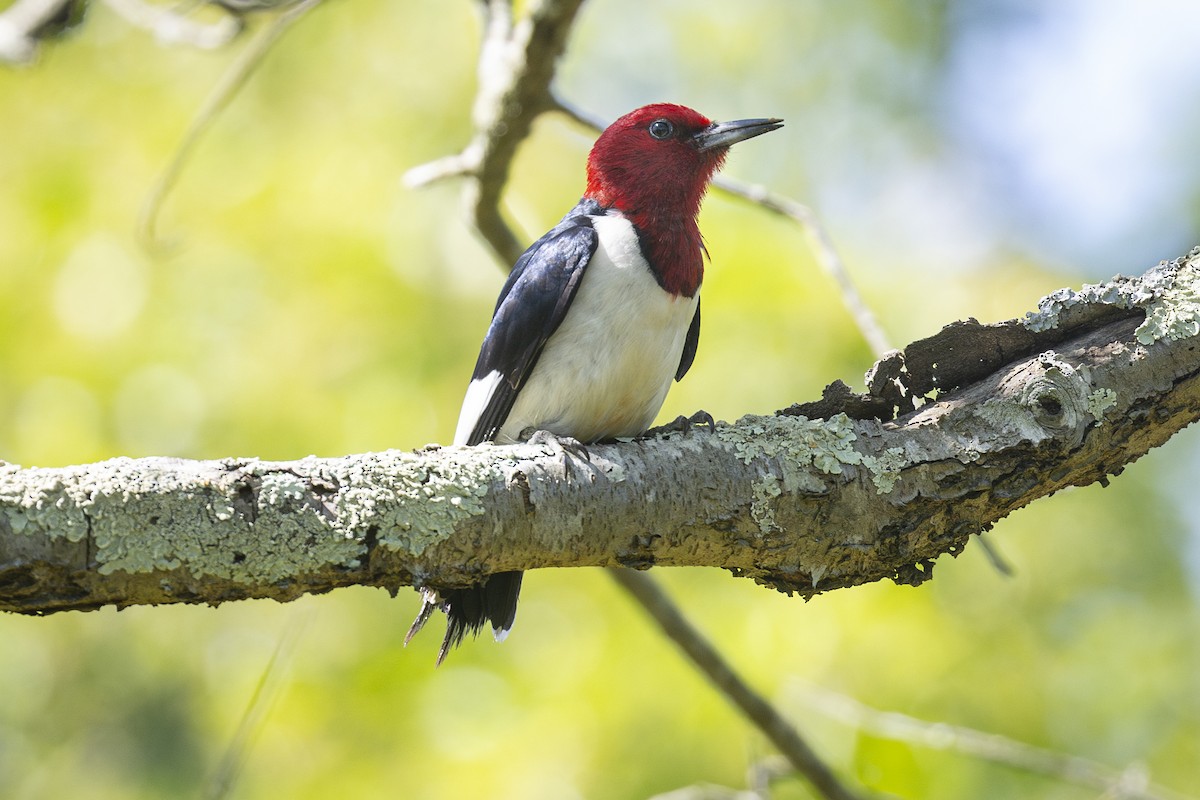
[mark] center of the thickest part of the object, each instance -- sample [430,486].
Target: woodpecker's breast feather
[605,371]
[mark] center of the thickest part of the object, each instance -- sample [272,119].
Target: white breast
[605,372]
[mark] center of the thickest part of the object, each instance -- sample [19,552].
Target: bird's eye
[661,129]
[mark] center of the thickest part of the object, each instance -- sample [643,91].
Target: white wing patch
[479,394]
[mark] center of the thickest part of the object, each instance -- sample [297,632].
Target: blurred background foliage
[968,157]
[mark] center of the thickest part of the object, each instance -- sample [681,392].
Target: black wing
[689,345]
[532,305]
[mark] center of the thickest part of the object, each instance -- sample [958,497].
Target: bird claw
[566,445]
[682,424]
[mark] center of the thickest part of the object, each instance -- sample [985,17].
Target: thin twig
[823,248]
[170,27]
[454,166]
[227,87]
[994,557]
[1131,783]
[21,24]
[516,65]
[764,716]
[261,702]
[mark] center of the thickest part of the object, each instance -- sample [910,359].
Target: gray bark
[826,495]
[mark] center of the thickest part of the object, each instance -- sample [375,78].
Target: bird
[597,318]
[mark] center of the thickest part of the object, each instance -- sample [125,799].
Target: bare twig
[21,25]
[26,22]
[261,702]
[516,64]
[701,652]
[994,557]
[823,248]
[170,27]
[218,99]
[1131,783]
[455,166]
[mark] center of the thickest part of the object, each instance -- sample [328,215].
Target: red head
[642,171]
[660,158]
[654,165]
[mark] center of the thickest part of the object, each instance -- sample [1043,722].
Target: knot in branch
[1058,399]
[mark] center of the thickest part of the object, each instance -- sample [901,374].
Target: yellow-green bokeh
[308,302]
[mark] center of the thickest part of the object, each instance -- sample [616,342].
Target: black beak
[724,134]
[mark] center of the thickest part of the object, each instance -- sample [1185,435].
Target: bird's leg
[682,424]
[566,445]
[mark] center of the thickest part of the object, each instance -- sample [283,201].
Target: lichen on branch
[816,497]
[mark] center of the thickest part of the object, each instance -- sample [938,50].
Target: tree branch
[516,66]
[1021,409]
[25,23]
[172,26]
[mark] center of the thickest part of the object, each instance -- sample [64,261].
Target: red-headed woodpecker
[597,316]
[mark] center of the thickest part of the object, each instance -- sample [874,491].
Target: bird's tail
[467,609]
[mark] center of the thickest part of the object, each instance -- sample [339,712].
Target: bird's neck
[666,227]
[671,244]
[675,251]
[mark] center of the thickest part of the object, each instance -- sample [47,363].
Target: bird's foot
[682,424]
[566,445]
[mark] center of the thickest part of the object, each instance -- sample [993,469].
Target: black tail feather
[429,601]
[467,609]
